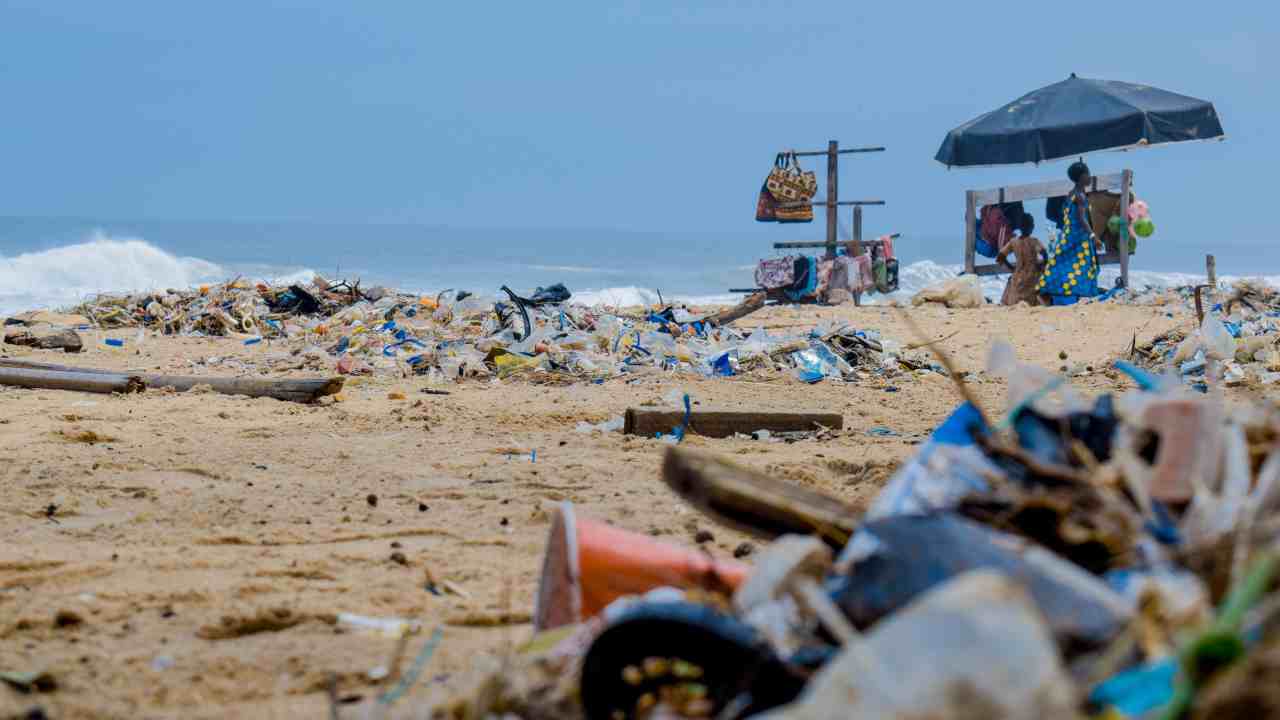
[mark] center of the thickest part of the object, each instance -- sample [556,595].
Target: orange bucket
[589,564]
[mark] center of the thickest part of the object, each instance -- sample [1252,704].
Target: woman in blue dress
[1071,271]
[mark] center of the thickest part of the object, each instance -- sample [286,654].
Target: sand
[185,555]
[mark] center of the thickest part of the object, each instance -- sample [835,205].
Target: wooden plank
[1126,187]
[833,193]
[788,245]
[970,230]
[75,381]
[997,269]
[726,423]
[848,203]
[846,151]
[754,502]
[1035,191]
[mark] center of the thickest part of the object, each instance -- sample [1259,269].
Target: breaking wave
[64,276]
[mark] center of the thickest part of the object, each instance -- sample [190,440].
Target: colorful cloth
[804,287]
[886,244]
[774,273]
[1072,267]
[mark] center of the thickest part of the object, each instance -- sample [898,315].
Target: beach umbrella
[1078,116]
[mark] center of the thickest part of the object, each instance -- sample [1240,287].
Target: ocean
[57,262]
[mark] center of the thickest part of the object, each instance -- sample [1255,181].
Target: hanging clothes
[774,273]
[886,245]
[861,276]
[806,281]
[1071,272]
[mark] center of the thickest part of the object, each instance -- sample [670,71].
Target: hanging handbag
[797,212]
[788,183]
[766,204]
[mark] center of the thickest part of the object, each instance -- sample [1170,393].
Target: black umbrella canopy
[1078,116]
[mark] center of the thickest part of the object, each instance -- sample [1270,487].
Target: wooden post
[1211,270]
[857,229]
[857,245]
[970,230]
[1126,186]
[833,182]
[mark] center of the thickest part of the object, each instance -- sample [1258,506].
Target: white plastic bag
[961,292]
[1218,343]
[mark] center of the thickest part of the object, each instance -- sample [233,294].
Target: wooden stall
[975,199]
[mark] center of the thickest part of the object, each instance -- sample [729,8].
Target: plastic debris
[976,641]
[456,335]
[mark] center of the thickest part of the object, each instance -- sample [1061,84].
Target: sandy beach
[186,555]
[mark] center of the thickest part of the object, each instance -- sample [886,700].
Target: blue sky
[611,115]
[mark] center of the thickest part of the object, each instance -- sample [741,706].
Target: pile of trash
[456,334]
[1237,341]
[1115,557]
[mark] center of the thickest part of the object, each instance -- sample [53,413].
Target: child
[1029,254]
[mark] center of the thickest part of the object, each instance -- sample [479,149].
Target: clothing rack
[974,199]
[832,203]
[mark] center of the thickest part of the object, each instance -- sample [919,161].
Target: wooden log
[1211,270]
[293,390]
[289,389]
[726,423]
[65,340]
[754,502]
[105,383]
[749,305]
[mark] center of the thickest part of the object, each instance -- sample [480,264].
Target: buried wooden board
[726,423]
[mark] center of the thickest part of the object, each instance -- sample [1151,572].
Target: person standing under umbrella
[1071,271]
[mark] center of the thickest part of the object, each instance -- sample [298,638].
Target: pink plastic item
[1138,210]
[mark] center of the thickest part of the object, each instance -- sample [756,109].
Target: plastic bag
[1218,342]
[961,292]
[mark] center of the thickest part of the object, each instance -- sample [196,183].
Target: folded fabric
[774,273]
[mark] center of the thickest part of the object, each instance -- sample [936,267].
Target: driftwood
[754,502]
[721,424]
[741,310]
[295,390]
[65,340]
[62,380]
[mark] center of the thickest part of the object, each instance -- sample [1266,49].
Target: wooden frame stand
[974,199]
